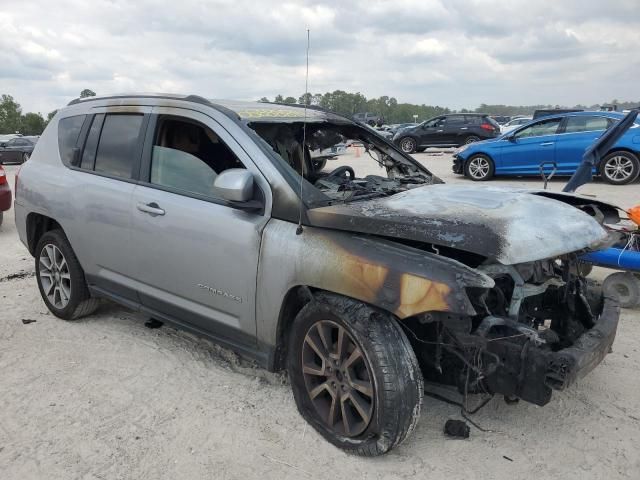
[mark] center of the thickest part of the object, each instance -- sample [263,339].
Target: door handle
[546,144]
[151,208]
[439,131]
[464,128]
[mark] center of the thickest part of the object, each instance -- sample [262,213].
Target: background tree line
[12,120]
[348,104]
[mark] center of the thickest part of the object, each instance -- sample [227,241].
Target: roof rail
[187,98]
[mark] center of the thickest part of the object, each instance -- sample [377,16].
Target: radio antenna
[304,138]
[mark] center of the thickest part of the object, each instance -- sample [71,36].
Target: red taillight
[3,177]
[487,126]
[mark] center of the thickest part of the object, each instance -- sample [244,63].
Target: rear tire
[479,168]
[385,370]
[620,168]
[471,139]
[61,279]
[25,157]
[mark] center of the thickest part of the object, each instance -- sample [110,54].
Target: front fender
[399,279]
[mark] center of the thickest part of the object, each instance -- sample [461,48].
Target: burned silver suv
[210,216]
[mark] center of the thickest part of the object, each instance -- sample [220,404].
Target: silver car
[210,216]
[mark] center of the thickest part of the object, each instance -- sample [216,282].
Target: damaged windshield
[344,162]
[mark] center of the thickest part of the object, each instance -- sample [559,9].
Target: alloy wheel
[479,167]
[55,277]
[338,378]
[618,168]
[407,145]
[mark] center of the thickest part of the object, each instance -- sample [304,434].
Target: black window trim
[135,167]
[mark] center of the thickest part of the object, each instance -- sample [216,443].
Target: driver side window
[435,123]
[544,127]
[188,156]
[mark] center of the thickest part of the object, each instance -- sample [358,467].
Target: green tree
[279,99]
[87,93]
[32,124]
[50,115]
[264,100]
[290,100]
[10,115]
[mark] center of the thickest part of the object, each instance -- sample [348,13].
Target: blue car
[560,138]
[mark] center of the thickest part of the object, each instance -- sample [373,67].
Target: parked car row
[560,138]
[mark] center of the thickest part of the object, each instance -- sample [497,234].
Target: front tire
[479,168]
[620,168]
[25,156]
[407,145]
[61,279]
[354,375]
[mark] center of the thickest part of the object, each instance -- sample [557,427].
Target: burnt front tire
[354,375]
[479,168]
[61,279]
[408,145]
[620,168]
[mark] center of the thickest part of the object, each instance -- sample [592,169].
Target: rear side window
[118,144]
[455,120]
[586,124]
[68,133]
[91,145]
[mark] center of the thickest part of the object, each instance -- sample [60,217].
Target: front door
[431,132]
[529,147]
[197,256]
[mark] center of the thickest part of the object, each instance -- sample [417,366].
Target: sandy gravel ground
[107,398]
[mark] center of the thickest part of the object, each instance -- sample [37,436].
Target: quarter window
[68,132]
[188,156]
[545,127]
[91,145]
[118,144]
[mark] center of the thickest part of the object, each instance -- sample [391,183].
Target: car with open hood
[209,215]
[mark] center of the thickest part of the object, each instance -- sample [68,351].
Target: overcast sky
[455,53]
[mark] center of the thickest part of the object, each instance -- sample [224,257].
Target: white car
[513,124]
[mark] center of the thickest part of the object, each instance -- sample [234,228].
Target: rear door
[455,130]
[575,135]
[528,147]
[104,176]
[196,255]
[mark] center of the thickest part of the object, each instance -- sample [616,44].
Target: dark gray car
[360,286]
[17,150]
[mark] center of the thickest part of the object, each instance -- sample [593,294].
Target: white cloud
[457,53]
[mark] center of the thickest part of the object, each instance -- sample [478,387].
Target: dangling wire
[304,138]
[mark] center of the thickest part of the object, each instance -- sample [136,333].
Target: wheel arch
[37,225]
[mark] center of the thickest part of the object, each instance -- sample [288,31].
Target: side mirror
[511,137]
[234,185]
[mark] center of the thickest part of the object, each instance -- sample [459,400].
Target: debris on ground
[456,429]
[27,321]
[153,323]
[507,458]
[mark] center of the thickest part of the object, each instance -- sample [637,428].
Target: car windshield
[342,162]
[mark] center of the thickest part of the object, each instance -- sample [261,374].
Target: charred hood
[504,224]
